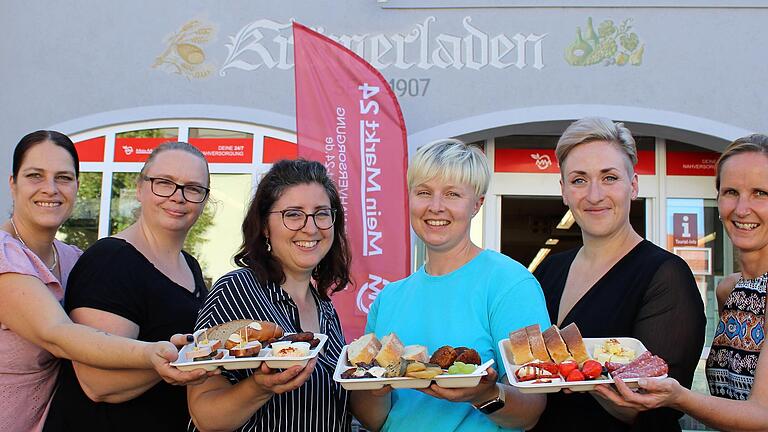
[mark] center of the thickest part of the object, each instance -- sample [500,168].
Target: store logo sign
[610,45]
[369,291]
[542,161]
[128,150]
[268,44]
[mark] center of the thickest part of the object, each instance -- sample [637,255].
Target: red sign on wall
[91,150]
[544,161]
[692,163]
[216,150]
[137,149]
[225,150]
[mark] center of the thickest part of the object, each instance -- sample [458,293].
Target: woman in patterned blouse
[737,374]
[294,256]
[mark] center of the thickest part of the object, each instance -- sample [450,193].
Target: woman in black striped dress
[290,266]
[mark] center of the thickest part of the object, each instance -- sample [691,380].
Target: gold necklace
[55,253]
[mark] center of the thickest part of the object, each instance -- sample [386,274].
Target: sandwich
[391,351]
[363,349]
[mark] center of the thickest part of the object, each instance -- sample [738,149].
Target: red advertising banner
[544,161]
[348,118]
[91,150]
[692,163]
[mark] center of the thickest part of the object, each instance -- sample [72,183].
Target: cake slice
[575,343]
[363,349]
[555,345]
[520,348]
[391,350]
[536,341]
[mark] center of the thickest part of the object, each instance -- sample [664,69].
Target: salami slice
[655,366]
[636,363]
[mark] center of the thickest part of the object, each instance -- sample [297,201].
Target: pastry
[575,343]
[536,341]
[520,348]
[555,345]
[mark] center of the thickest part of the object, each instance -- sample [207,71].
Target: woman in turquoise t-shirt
[462,296]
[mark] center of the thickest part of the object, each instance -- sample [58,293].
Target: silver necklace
[55,253]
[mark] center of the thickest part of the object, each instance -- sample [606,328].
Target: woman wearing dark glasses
[138,284]
[294,256]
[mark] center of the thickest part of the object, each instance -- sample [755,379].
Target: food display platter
[445,380]
[234,363]
[557,384]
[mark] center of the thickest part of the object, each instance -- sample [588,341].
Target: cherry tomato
[575,375]
[591,369]
[567,366]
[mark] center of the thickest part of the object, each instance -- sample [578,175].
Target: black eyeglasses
[296,220]
[165,188]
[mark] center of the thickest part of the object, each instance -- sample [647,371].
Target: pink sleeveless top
[28,372]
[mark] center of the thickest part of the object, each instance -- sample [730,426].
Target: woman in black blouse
[294,255]
[137,284]
[617,284]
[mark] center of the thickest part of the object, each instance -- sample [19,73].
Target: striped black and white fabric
[320,405]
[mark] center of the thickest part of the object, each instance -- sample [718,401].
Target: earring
[269,246]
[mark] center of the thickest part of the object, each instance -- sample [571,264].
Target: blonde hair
[591,129]
[757,143]
[175,145]
[450,160]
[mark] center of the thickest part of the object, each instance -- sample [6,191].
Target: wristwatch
[493,405]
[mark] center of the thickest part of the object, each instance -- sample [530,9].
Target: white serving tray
[233,363]
[558,384]
[446,381]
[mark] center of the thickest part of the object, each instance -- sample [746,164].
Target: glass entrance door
[534,227]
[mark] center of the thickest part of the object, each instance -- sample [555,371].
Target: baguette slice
[363,349]
[520,348]
[391,350]
[555,345]
[575,343]
[416,352]
[536,341]
[223,331]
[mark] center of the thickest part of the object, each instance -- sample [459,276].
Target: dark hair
[757,143]
[332,273]
[32,139]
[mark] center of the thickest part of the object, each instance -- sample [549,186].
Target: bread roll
[444,356]
[520,348]
[262,331]
[575,343]
[363,349]
[416,352]
[555,345]
[467,356]
[536,341]
[391,350]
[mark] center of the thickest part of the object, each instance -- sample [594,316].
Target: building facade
[685,76]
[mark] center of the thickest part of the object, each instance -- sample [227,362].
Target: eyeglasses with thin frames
[296,220]
[165,188]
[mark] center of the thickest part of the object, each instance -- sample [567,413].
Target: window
[111,158]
